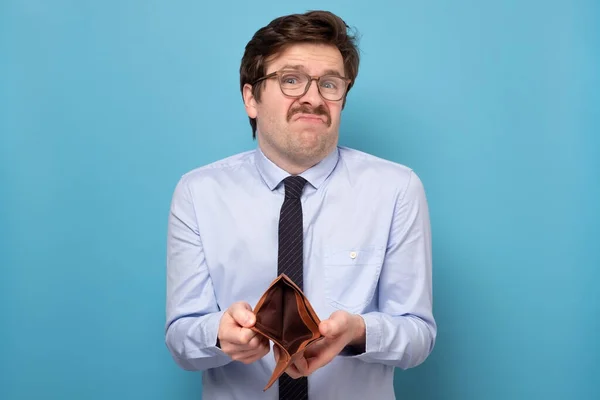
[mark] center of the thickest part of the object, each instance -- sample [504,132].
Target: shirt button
[353,255]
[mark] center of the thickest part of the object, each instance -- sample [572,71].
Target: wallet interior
[284,317]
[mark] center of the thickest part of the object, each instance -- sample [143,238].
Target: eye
[331,83]
[290,79]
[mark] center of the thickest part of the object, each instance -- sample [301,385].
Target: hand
[236,339]
[340,330]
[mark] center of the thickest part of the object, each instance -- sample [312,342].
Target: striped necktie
[289,262]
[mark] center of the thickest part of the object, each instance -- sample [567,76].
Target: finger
[235,339]
[301,366]
[251,356]
[245,351]
[242,314]
[315,348]
[323,358]
[261,351]
[244,336]
[257,341]
[293,372]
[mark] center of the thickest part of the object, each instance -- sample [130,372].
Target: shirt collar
[316,175]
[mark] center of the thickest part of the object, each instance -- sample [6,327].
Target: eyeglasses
[296,84]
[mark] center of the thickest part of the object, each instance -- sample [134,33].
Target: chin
[312,152]
[312,143]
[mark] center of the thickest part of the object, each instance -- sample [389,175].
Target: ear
[249,101]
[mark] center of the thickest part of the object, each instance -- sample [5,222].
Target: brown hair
[311,27]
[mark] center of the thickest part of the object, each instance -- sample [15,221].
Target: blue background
[104,105]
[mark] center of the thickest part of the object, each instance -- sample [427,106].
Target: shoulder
[363,167]
[219,169]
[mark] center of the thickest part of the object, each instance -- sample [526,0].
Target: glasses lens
[293,83]
[332,87]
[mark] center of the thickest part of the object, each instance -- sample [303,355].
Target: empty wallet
[285,317]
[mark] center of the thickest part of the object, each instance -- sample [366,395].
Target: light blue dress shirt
[367,250]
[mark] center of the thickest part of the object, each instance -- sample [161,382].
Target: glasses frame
[308,83]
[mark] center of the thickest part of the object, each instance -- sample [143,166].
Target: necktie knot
[294,186]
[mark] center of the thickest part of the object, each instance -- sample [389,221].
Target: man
[362,247]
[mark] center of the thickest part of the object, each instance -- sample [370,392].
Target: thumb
[335,325]
[242,314]
[329,328]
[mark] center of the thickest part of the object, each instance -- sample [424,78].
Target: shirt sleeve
[403,332]
[193,315]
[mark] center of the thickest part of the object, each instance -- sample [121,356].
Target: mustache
[305,109]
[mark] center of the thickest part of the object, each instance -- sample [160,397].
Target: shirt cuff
[372,337]
[373,326]
[210,332]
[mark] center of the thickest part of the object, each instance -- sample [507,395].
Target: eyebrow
[303,69]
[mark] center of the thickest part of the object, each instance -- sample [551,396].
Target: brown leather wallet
[284,316]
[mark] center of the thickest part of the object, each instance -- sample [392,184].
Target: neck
[290,166]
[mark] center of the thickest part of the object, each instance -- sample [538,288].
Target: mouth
[311,118]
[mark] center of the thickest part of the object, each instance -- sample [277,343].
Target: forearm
[193,313]
[402,332]
[192,342]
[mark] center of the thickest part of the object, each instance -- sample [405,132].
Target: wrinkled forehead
[311,58]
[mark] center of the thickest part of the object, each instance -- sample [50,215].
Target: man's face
[298,132]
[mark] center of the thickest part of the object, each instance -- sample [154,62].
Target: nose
[312,95]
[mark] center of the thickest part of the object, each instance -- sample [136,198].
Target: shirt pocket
[351,276]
